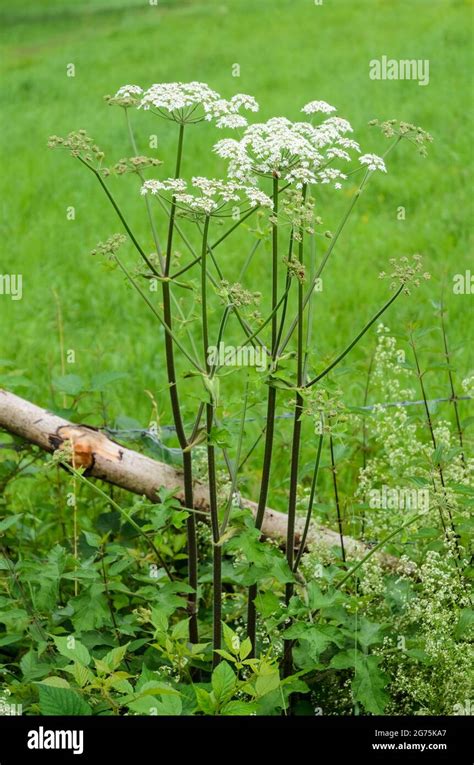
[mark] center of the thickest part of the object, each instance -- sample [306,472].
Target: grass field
[289,52]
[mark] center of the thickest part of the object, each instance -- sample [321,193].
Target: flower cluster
[237,295]
[297,152]
[110,246]
[189,102]
[373,162]
[208,196]
[126,96]
[79,144]
[406,273]
[299,213]
[132,165]
[413,133]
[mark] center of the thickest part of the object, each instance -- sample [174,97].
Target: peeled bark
[130,470]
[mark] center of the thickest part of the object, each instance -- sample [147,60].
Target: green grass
[290,52]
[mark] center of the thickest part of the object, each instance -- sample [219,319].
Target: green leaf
[55,682]
[7,522]
[62,701]
[368,685]
[223,682]
[245,648]
[465,623]
[71,384]
[100,381]
[205,701]
[368,632]
[114,658]
[238,708]
[267,682]
[73,649]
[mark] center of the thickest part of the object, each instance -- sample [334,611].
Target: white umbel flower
[296,152]
[373,162]
[189,102]
[318,106]
[128,91]
[208,196]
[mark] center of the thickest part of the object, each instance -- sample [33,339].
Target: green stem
[211,461]
[270,421]
[295,448]
[309,512]
[357,338]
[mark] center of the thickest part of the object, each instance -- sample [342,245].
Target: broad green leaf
[267,683]
[205,701]
[223,682]
[239,708]
[62,701]
[72,648]
[368,685]
[114,658]
[55,682]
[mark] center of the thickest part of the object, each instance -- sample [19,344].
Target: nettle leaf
[32,668]
[319,600]
[223,682]
[71,384]
[55,682]
[73,649]
[62,701]
[100,381]
[369,683]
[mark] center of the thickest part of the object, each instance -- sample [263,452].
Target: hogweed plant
[268,198]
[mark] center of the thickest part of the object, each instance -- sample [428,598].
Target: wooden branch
[130,470]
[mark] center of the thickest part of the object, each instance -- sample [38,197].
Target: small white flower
[318,106]
[373,162]
[231,121]
[127,91]
[170,184]
[208,196]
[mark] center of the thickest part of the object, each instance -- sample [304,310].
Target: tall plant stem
[364,428]
[211,462]
[177,417]
[451,384]
[309,512]
[270,419]
[336,497]
[295,451]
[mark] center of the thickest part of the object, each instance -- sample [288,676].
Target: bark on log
[130,470]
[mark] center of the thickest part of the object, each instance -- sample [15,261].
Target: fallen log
[108,461]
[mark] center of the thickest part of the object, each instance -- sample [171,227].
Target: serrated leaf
[267,683]
[55,682]
[114,658]
[73,649]
[223,682]
[205,701]
[368,685]
[62,701]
